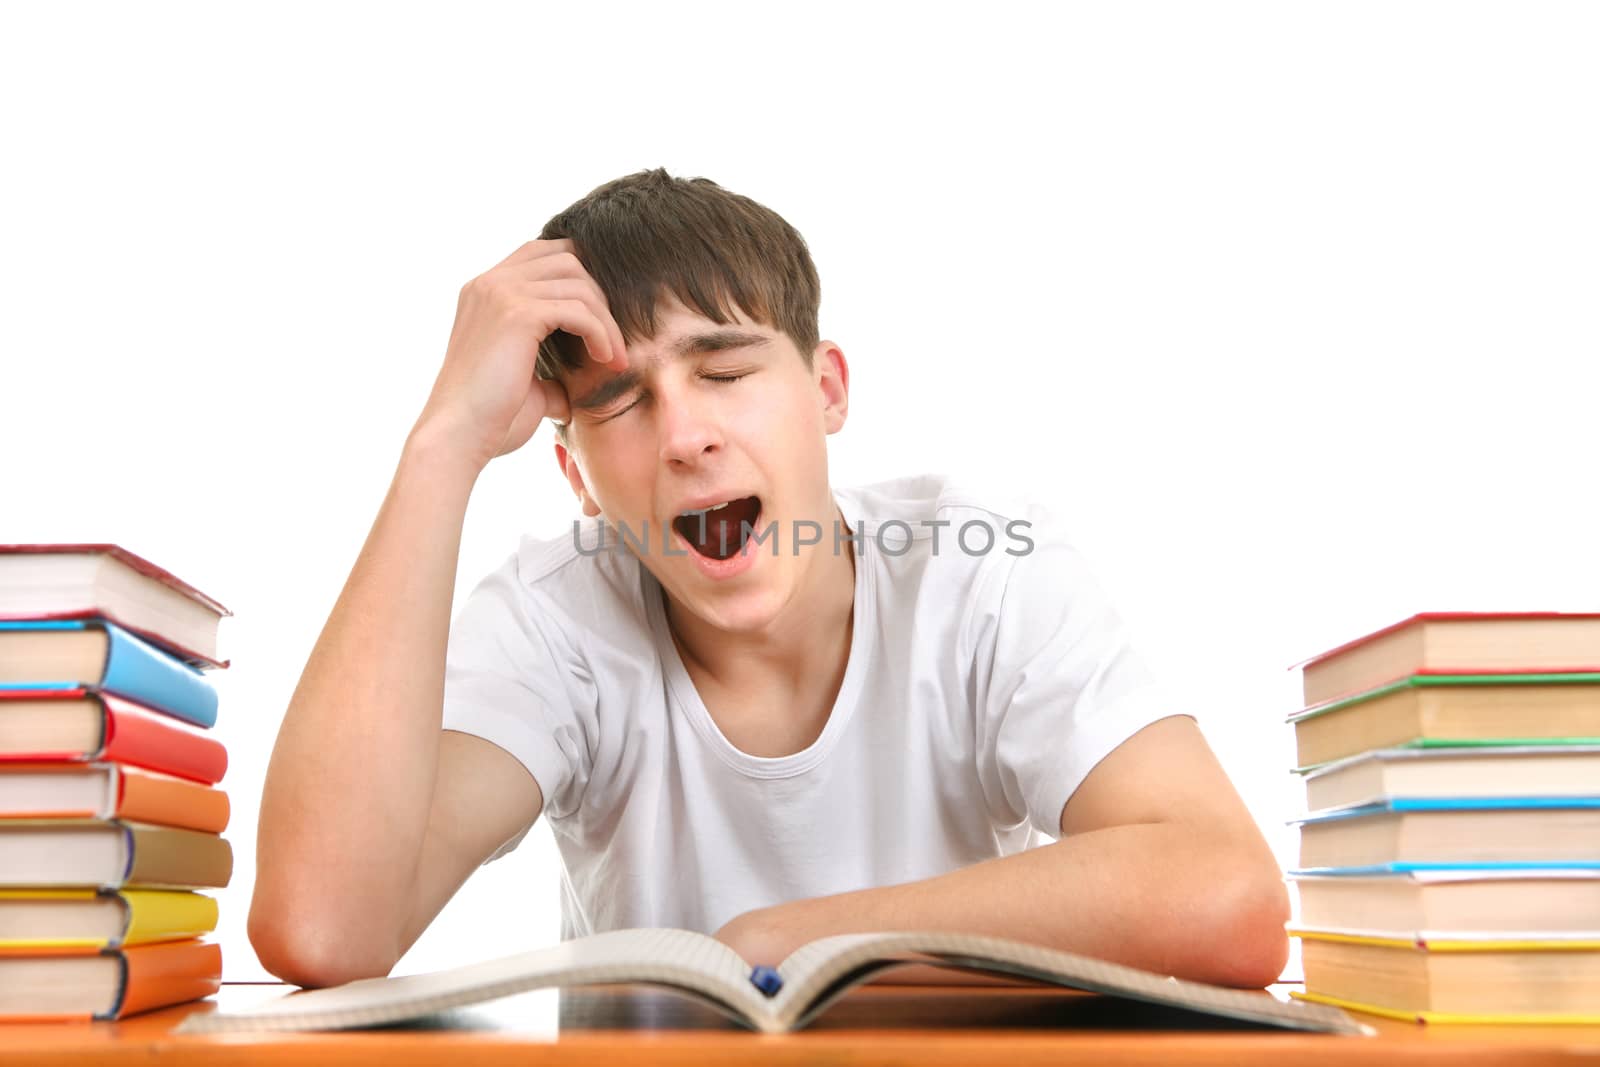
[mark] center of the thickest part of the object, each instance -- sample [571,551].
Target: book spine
[161,857]
[139,671]
[166,915]
[174,972]
[142,797]
[148,916]
[135,736]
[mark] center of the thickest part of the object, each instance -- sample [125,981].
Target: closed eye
[708,377]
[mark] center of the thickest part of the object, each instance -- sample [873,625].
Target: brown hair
[649,234]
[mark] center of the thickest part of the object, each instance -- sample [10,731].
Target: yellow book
[1515,977]
[1484,1018]
[1456,940]
[70,920]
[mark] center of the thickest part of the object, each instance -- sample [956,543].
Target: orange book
[71,984]
[109,791]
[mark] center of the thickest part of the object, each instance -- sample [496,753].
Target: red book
[108,581]
[83,725]
[1456,642]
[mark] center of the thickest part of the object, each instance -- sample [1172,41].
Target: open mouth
[719,532]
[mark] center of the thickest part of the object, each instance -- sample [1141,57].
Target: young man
[869,716]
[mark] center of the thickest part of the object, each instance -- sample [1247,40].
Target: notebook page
[690,962]
[812,978]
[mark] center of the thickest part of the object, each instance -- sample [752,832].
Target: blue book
[1452,833]
[1531,869]
[99,654]
[1403,804]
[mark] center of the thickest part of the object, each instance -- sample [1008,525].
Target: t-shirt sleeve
[1059,683]
[505,681]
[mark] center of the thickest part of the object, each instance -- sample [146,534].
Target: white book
[1550,770]
[697,965]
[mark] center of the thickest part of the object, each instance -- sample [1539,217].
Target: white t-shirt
[982,686]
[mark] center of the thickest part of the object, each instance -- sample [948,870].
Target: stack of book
[110,815]
[1450,854]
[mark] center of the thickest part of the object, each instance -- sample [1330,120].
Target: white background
[1292,309]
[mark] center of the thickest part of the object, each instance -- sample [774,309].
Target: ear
[569,467]
[832,375]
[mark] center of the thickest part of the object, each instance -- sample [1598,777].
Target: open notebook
[695,964]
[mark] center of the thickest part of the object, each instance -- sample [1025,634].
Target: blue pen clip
[766,979]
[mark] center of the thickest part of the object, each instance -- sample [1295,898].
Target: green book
[1440,710]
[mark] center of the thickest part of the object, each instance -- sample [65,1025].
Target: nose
[688,426]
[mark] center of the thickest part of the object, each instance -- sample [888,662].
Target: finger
[568,267]
[588,291]
[538,250]
[575,317]
[525,423]
[616,339]
[550,267]
[557,408]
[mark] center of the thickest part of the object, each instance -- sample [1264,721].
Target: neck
[809,638]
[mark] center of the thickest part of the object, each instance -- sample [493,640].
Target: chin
[748,609]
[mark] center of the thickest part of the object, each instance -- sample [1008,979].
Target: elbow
[311,950]
[1250,944]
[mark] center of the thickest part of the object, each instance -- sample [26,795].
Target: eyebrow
[694,344]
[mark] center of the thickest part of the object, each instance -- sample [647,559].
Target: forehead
[678,328]
[674,322]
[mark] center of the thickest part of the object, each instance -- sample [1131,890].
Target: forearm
[1160,896]
[347,792]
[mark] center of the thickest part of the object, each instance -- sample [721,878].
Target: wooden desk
[626,1025]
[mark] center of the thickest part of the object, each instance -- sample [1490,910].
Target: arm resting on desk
[372,814]
[1160,866]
